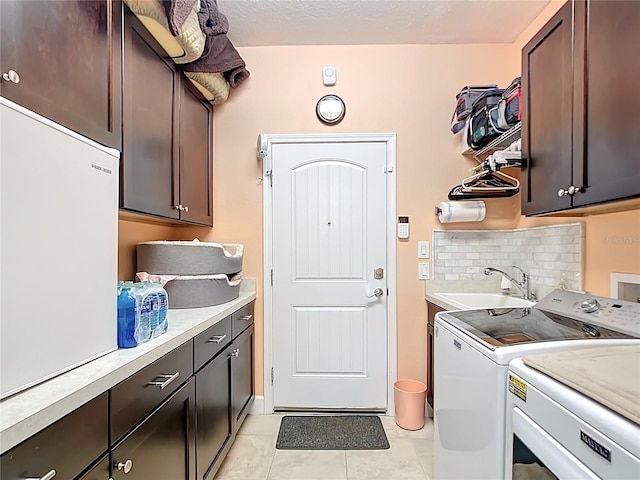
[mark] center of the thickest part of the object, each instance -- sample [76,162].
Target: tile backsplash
[552,255]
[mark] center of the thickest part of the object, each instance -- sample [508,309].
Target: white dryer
[587,431]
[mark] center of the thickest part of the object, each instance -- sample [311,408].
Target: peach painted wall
[408,90]
[129,234]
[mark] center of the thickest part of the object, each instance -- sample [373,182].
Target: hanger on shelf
[487,182]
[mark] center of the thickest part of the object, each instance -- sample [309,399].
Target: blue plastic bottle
[126,318]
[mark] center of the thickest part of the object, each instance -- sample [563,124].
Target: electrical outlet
[423,271]
[423,249]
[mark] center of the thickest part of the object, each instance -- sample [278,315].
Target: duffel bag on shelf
[509,107]
[483,120]
[464,103]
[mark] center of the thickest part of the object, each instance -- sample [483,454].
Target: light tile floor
[254,456]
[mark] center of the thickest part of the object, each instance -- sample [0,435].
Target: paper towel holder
[438,211]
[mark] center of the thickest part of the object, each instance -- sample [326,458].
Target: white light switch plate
[423,249]
[423,271]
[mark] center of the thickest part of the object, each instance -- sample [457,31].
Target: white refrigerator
[58,249]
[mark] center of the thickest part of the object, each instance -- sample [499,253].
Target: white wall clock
[330,109]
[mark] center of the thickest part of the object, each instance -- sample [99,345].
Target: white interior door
[329,236]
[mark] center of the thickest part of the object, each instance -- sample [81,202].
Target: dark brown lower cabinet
[224,393]
[163,445]
[214,416]
[242,375]
[68,447]
[141,430]
[432,309]
[99,472]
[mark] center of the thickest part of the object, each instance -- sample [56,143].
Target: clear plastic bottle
[163,308]
[154,315]
[143,313]
[126,317]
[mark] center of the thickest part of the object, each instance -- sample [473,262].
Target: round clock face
[330,109]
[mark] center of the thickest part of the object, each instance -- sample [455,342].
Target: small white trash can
[410,396]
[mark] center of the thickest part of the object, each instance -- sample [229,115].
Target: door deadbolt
[378,273]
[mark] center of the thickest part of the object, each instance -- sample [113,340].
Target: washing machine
[574,416]
[473,349]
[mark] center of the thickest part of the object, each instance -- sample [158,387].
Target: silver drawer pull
[13,77]
[48,476]
[216,339]
[168,380]
[126,466]
[235,353]
[246,317]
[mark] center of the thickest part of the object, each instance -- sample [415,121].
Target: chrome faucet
[524,285]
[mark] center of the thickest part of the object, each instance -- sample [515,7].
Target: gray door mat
[345,432]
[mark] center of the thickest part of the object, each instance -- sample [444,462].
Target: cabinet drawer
[211,341]
[241,319]
[163,445]
[68,446]
[138,395]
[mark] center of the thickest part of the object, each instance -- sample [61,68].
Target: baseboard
[258,406]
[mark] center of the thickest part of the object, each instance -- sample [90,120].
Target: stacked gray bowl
[205,273]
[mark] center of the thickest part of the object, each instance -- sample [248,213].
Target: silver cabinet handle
[52,473]
[125,467]
[235,353]
[569,191]
[246,317]
[13,77]
[179,207]
[185,209]
[216,339]
[376,293]
[167,381]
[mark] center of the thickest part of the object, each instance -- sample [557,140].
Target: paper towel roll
[450,212]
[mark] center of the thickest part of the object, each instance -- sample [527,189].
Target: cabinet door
[149,104]
[546,115]
[213,411]
[242,375]
[607,103]
[67,55]
[195,157]
[163,446]
[82,432]
[432,309]
[99,472]
[137,396]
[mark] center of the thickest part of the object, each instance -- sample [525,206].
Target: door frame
[265,143]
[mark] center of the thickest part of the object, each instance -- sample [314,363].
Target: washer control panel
[620,315]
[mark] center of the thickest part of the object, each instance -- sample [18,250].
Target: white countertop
[608,375]
[28,412]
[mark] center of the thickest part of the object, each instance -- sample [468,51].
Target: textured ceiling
[371,22]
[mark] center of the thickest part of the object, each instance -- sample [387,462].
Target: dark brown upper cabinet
[581,108]
[606,101]
[195,156]
[62,59]
[166,153]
